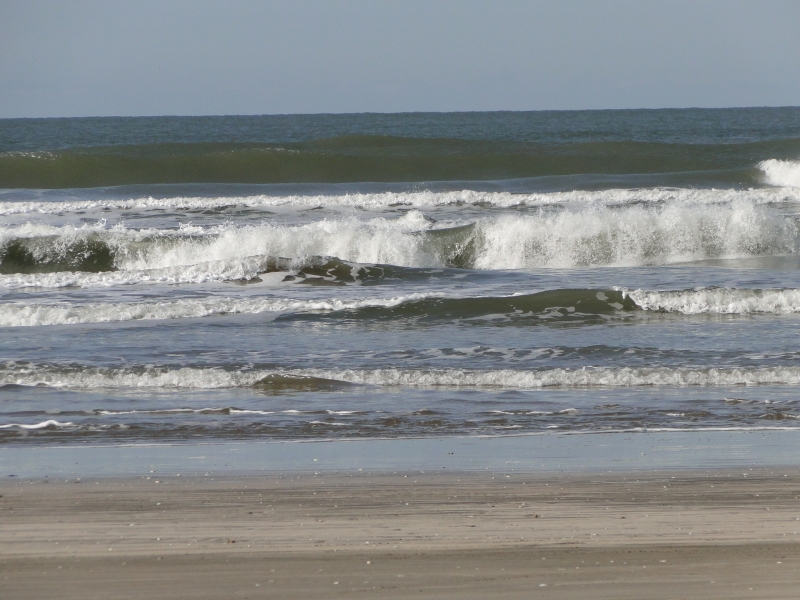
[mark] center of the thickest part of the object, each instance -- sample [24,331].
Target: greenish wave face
[46,255]
[280,384]
[349,159]
[562,305]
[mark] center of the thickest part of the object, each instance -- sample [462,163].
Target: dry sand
[709,534]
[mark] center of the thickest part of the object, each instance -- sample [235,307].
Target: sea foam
[577,236]
[422,199]
[719,301]
[26,315]
[633,235]
[49,424]
[215,378]
[781,172]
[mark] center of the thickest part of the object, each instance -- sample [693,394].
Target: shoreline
[551,452]
[455,535]
[612,516]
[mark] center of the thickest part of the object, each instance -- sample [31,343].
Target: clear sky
[200,57]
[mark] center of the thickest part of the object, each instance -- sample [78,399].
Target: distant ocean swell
[376,158]
[298,380]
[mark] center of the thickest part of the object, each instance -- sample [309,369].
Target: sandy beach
[695,534]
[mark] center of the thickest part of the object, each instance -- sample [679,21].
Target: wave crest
[77,377]
[781,172]
[723,301]
[629,235]
[420,199]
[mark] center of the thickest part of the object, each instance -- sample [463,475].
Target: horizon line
[410,112]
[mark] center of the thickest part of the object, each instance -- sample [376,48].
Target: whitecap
[42,425]
[781,172]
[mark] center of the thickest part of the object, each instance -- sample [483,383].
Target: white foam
[633,235]
[688,302]
[230,252]
[587,377]
[572,237]
[781,172]
[200,411]
[64,233]
[29,315]
[98,378]
[418,199]
[214,378]
[200,272]
[42,425]
[377,240]
[719,301]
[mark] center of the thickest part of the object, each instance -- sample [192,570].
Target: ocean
[312,277]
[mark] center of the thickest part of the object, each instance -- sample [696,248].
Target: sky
[63,58]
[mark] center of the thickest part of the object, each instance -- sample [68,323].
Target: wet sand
[698,534]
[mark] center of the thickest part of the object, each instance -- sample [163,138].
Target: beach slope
[697,534]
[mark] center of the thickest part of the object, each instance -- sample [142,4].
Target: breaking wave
[629,235]
[80,377]
[724,301]
[550,305]
[21,315]
[781,172]
[49,424]
[560,305]
[419,199]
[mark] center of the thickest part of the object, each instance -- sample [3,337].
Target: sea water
[187,279]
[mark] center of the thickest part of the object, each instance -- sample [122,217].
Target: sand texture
[707,534]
